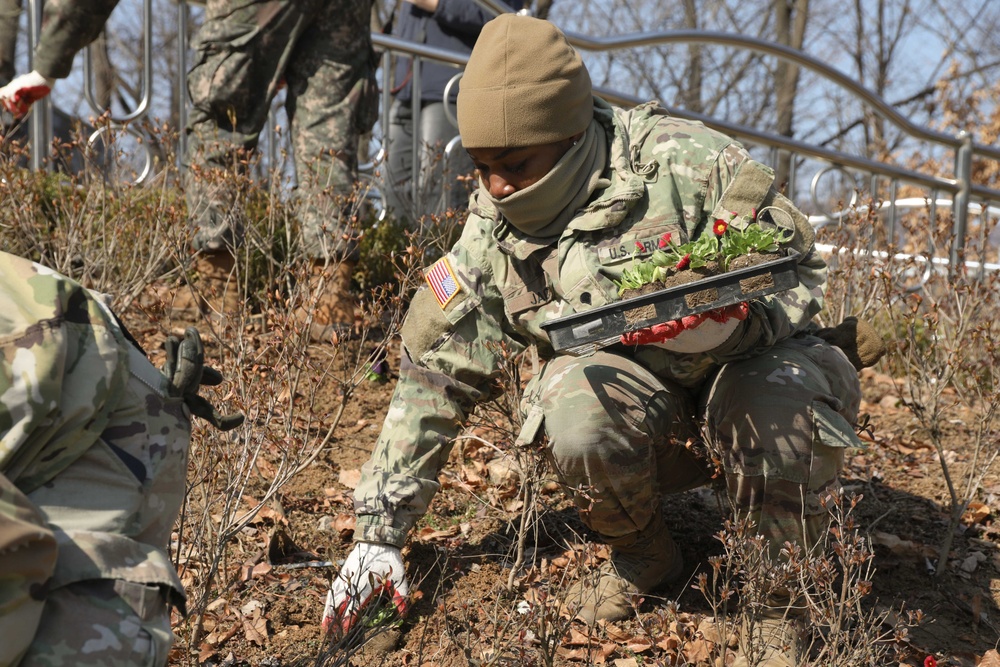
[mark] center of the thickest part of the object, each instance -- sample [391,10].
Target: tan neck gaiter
[544,208]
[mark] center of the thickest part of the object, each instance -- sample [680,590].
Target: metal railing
[955,190]
[40,128]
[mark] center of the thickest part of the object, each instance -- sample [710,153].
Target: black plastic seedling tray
[585,332]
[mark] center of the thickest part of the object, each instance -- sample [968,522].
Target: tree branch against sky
[893,47]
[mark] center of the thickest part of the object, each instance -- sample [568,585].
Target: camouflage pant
[780,421]
[322,51]
[111,512]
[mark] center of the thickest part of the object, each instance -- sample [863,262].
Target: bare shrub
[824,590]
[947,360]
[113,238]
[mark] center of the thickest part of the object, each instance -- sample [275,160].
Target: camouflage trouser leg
[322,50]
[332,100]
[609,422]
[113,509]
[27,561]
[89,624]
[242,49]
[782,422]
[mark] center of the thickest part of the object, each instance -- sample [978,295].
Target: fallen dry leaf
[349,478]
[990,659]
[976,512]
[669,643]
[249,571]
[429,534]
[902,547]
[220,637]
[597,655]
[639,644]
[576,638]
[206,652]
[255,629]
[617,634]
[698,651]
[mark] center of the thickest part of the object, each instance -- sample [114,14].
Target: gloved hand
[370,569]
[858,340]
[186,370]
[26,89]
[694,333]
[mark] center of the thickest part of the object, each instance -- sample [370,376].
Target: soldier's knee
[574,441]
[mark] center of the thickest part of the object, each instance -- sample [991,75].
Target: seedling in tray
[718,270]
[715,253]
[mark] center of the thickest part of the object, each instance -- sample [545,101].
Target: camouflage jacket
[497,286]
[67,369]
[67,27]
[48,326]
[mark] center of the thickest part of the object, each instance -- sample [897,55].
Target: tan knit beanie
[525,85]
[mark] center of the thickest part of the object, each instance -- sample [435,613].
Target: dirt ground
[459,556]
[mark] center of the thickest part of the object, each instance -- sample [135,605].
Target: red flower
[929,661]
[664,241]
[683,264]
[753,213]
[639,246]
[720,226]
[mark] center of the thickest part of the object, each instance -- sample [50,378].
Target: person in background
[321,52]
[67,27]
[453,25]
[93,462]
[10,23]
[565,182]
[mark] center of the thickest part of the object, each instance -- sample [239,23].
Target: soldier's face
[504,171]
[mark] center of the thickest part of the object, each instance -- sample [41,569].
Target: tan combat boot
[212,290]
[775,642]
[639,563]
[329,306]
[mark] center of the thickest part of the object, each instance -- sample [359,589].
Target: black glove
[186,371]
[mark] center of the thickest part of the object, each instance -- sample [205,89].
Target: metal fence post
[960,206]
[40,128]
[183,14]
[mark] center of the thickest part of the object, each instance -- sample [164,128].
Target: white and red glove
[26,89]
[370,570]
[694,333]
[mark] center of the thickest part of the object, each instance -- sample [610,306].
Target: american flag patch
[443,282]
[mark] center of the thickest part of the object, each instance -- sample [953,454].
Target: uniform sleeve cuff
[372,528]
[51,67]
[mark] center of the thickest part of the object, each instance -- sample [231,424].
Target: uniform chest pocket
[639,242]
[526,297]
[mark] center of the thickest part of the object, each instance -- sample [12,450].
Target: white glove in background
[370,569]
[26,89]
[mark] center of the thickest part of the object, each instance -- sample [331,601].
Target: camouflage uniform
[67,27]
[777,402]
[93,456]
[322,50]
[10,21]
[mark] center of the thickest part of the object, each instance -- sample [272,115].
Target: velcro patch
[443,282]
